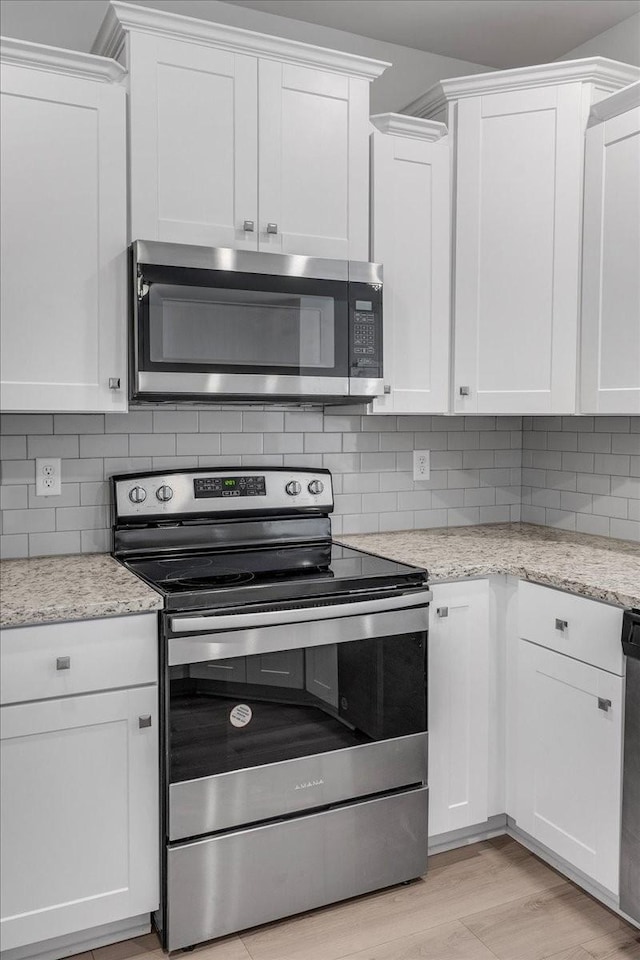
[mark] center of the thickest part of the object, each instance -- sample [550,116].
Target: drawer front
[238,880]
[584,629]
[61,659]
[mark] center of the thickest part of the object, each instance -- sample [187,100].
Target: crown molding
[616,103]
[604,73]
[121,18]
[400,125]
[71,63]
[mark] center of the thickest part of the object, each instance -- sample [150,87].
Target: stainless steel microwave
[211,324]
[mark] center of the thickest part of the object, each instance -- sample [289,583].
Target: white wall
[74,23]
[621,42]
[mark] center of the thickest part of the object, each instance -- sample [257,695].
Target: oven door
[293,710]
[218,322]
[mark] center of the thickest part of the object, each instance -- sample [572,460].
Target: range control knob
[137,495]
[316,487]
[164,493]
[293,488]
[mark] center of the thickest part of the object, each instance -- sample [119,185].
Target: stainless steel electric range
[293,698]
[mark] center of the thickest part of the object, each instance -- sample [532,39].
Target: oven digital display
[229,487]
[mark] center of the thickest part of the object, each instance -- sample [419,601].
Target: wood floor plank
[462,888]
[450,941]
[622,944]
[538,926]
[573,953]
[134,949]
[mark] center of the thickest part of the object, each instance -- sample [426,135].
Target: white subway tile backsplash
[175,421]
[13,448]
[28,521]
[76,423]
[152,444]
[478,467]
[104,445]
[49,544]
[52,446]
[14,546]
[26,423]
[603,468]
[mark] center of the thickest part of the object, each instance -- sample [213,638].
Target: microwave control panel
[366,337]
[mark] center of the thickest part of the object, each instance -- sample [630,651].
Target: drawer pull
[561,625]
[604,704]
[144,721]
[442,612]
[63,663]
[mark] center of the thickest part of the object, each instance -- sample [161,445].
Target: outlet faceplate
[48,477]
[421,465]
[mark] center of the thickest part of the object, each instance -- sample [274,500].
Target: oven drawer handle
[270,618]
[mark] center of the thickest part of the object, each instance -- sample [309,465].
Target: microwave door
[221,333]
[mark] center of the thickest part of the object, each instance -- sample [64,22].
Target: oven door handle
[271,618]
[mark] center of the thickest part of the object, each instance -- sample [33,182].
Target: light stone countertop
[596,567]
[76,587]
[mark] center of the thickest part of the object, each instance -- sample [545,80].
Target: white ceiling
[497,33]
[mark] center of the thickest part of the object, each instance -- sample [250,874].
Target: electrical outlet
[48,477]
[421,465]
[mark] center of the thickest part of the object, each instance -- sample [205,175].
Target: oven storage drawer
[238,880]
[260,793]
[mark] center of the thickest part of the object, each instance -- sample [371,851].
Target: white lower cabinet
[459,705]
[567,761]
[79,806]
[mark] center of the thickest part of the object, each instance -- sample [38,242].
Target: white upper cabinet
[610,351]
[63,230]
[410,236]
[519,156]
[243,140]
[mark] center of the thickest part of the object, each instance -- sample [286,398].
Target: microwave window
[224,327]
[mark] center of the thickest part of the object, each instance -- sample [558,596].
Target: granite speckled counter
[77,587]
[597,567]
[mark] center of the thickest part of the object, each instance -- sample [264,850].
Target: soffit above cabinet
[124,17]
[607,75]
[71,63]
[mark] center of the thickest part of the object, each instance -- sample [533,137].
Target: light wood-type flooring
[481,902]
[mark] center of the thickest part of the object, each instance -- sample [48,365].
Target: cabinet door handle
[272,228]
[561,625]
[144,721]
[442,612]
[604,704]
[249,226]
[465,391]
[63,663]
[114,383]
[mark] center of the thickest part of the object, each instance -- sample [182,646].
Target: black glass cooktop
[273,573]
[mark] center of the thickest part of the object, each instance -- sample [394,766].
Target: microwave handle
[239,621]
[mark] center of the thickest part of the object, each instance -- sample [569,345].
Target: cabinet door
[411,237]
[63,186]
[569,760]
[194,148]
[321,672]
[79,813]
[314,162]
[459,656]
[610,356]
[518,215]
[282,669]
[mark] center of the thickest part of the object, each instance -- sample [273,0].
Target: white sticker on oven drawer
[241,715]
